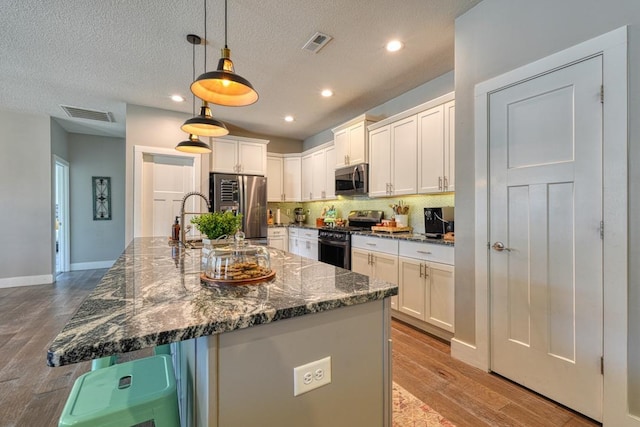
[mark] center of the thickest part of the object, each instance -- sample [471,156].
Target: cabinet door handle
[420,270]
[426,271]
[440,183]
[424,252]
[446,184]
[371,244]
[368,259]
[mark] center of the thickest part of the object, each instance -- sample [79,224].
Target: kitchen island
[235,348]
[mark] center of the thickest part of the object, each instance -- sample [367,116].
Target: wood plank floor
[32,394]
[465,395]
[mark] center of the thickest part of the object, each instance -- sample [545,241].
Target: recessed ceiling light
[326,93]
[177,98]
[394,45]
[288,118]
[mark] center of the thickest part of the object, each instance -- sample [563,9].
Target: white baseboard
[91,265]
[467,353]
[12,282]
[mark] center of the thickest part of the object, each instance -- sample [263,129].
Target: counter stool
[124,394]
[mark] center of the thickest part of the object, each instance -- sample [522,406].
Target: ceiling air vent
[83,113]
[317,42]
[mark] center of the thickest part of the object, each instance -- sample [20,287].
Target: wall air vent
[317,42]
[83,113]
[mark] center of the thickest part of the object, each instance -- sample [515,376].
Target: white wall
[26,200]
[497,36]
[95,244]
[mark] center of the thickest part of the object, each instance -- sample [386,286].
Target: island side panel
[255,370]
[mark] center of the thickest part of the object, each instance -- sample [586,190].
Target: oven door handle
[333,243]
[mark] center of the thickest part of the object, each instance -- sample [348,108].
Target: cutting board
[385,229]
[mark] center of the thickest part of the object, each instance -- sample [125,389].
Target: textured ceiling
[105,54]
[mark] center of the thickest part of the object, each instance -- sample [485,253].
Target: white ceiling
[105,54]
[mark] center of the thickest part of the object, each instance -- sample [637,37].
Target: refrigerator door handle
[242,202]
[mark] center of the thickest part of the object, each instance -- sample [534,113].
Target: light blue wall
[92,241]
[419,95]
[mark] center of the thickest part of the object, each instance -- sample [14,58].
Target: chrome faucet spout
[183,232]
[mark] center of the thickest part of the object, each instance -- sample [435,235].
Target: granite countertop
[152,295]
[414,237]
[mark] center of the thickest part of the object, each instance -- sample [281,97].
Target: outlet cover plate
[319,372]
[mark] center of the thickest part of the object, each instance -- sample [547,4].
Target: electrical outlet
[311,376]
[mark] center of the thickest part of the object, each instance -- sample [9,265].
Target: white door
[166,180]
[545,143]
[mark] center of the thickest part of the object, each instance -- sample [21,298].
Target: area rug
[409,411]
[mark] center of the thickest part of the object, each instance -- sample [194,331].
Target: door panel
[168,178]
[545,143]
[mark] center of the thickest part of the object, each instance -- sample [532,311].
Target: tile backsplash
[416,204]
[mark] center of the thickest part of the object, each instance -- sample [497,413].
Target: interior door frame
[65,236]
[613,48]
[139,152]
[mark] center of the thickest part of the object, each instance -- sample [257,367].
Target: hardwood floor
[467,396]
[32,394]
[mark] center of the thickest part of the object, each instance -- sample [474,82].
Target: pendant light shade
[205,124]
[224,86]
[193,145]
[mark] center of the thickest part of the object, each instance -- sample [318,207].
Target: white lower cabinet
[377,258]
[303,242]
[426,283]
[278,238]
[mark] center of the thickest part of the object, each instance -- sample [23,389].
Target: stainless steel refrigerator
[245,194]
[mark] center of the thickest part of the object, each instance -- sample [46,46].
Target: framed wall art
[101,197]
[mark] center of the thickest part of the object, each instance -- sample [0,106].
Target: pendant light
[224,86]
[204,124]
[193,143]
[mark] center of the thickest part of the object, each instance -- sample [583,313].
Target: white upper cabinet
[292,178]
[318,173]
[436,147]
[239,155]
[318,178]
[330,174]
[351,141]
[379,161]
[307,177]
[392,158]
[275,188]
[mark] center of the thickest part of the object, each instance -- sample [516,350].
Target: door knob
[499,246]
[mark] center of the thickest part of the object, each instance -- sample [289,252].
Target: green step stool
[124,394]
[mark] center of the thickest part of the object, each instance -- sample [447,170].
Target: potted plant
[217,224]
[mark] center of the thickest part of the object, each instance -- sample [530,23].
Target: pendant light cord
[225,25]
[206,40]
[193,69]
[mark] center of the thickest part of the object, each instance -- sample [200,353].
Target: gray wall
[419,95]
[95,241]
[497,36]
[59,143]
[25,196]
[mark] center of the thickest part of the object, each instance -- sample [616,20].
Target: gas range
[334,243]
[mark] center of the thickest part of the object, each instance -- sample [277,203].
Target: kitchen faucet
[183,232]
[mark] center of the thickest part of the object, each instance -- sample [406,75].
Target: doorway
[161,178]
[62,239]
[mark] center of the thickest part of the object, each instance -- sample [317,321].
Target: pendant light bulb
[193,145]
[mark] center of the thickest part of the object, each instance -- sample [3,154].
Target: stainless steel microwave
[352,180]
